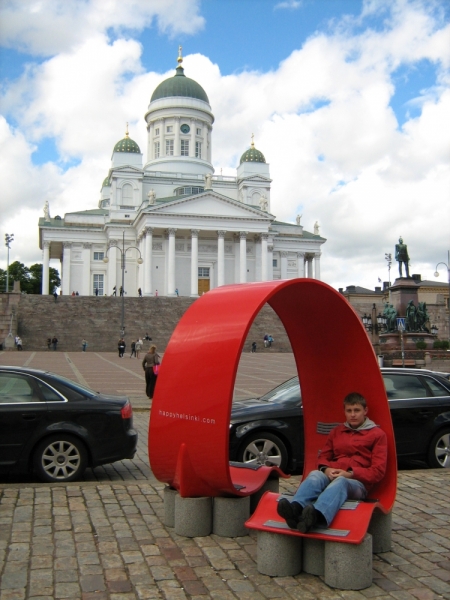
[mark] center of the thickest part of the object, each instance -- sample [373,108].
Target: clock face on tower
[185,128]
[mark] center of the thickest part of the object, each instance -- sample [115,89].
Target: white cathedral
[172,226]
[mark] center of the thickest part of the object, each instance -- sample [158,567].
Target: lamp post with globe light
[436,274]
[123,252]
[8,239]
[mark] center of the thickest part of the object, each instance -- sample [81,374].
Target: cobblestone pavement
[104,538]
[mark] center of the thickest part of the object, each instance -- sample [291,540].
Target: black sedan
[269,430]
[56,428]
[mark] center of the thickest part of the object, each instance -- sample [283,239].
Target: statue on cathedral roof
[46,211]
[316,228]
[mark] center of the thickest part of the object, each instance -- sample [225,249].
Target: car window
[436,388]
[70,389]
[15,389]
[289,391]
[399,387]
[48,393]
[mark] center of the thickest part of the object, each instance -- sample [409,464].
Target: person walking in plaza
[54,342]
[121,346]
[19,343]
[133,349]
[352,461]
[139,292]
[151,360]
[114,292]
[138,347]
[49,343]
[83,345]
[253,347]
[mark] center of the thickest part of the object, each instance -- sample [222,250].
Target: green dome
[105,181]
[252,155]
[179,85]
[127,145]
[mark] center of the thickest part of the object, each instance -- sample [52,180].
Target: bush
[421,345]
[441,344]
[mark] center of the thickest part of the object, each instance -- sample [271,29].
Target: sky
[349,101]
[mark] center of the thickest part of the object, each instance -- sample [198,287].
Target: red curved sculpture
[189,424]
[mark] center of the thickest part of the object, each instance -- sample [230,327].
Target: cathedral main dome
[179,85]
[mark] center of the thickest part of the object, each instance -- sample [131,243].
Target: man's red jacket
[362,450]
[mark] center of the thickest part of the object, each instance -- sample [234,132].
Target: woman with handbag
[150,364]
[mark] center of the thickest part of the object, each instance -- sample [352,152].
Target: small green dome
[127,145]
[179,85]
[105,181]
[252,155]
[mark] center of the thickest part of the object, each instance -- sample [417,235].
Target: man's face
[355,415]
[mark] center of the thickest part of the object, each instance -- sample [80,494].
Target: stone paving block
[92,583]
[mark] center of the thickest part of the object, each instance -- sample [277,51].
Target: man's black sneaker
[290,512]
[308,519]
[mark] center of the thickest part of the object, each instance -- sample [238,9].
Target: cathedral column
[270,261]
[162,150]
[171,263]
[243,256]
[310,269]
[86,280]
[148,241]
[264,265]
[66,268]
[208,144]
[45,269]
[192,142]
[177,148]
[300,264]
[284,265]
[317,266]
[194,262]
[112,267]
[221,258]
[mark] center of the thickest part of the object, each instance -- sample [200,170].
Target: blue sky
[347,100]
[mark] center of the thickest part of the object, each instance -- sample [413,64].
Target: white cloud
[289,4]
[323,121]
[48,27]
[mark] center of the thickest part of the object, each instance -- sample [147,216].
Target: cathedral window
[199,131]
[157,149]
[198,149]
[99,255]
[184,147]
[98,284]
[127,195]
[157,131]
[275,262]
[169,147]
[169,129]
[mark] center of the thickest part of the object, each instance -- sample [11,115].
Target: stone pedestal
[279,555]
[169,506]
[313,556]
[349,566]
[193,516]
[380,529]
[229,516]
[402,291]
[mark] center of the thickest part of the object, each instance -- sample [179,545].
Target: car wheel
[439,452]
[60,458]
[263,448]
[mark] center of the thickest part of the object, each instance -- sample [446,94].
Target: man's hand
[335,473]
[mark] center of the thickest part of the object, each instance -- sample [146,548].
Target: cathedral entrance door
[203,280]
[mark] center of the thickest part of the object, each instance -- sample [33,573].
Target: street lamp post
[123,251]
[436,274]
[8,239]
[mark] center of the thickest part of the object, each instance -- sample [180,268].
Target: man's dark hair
[355,398]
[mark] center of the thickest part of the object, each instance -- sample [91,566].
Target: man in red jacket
[352,461]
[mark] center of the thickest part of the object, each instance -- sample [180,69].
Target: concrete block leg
[193,516]
[278,555]
[313,556]
[271,485]
[349,566]
[380,529]
[169,506]
[229,516]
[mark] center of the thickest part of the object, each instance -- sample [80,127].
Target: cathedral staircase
[98,320]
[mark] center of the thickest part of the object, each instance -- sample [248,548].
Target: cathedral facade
[170,225]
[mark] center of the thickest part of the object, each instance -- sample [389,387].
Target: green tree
[30,278]
[36,279]
[19,272]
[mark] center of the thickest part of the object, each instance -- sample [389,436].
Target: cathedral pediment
[126,169]
[209,203]
[256,178]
